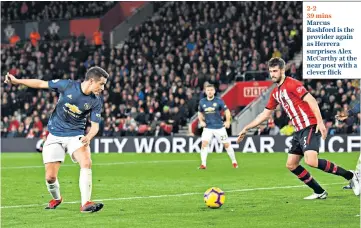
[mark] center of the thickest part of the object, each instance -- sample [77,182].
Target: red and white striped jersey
[290,95]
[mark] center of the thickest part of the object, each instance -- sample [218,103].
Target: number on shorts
[223,137]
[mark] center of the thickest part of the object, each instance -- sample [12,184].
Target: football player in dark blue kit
[66,128]
[350,117]
[210,119]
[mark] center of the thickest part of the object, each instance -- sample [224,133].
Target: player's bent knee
[226,145]
[50,178]
[291,166]
[86,163]
[312,162]
[204,144]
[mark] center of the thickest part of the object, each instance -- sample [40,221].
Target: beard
[277,80]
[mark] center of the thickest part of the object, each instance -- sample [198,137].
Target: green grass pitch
[166,190]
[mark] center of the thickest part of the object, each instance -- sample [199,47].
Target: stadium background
[159,56]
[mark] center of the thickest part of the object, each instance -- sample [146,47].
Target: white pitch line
[105,164]
[170,195]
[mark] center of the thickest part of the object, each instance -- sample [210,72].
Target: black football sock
[306,177]
[330,167]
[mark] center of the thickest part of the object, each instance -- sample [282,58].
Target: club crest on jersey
[86,106]
[70,96]
[73,108]
[55,80]
[299,89]
[204,106]
[215,104]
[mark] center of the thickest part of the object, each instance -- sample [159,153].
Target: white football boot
[355,183]
[317,196]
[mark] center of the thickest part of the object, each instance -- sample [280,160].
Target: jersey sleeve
[354,110]
[222,105]
[200,108]
[58,85]
[95,115]
[298,89]
[272,103]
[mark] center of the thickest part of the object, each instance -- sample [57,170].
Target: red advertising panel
[85,26]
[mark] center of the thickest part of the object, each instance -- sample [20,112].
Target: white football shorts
[55,147]
[220,134]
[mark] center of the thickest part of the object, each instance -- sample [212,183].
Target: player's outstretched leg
[357,172]
[204,154]
[82,155]
[293,165]
[311,159]
[231,154]
[52,183]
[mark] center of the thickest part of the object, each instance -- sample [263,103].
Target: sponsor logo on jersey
[73,108]
[55,80]
[70,96]
[209,110]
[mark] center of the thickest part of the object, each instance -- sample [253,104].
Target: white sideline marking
[106,164]
[171,195]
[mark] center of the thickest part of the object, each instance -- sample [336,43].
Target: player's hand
[227,124]
[9,78]
[341,117]
[241,135]
[85,140]
[321,127]
[203,124]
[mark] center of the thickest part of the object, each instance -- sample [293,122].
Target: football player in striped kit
[302,109]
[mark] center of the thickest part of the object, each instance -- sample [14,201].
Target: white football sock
[204,154]
[231,155]
[54,189]
[358,166]
[85,185]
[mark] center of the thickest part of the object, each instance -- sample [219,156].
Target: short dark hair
[276,62]
[96,73]
[210,86]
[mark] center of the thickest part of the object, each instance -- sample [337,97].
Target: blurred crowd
[157,75]
[334,97]
[37,11]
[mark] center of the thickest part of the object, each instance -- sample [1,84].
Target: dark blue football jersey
[212,111]
[72,109]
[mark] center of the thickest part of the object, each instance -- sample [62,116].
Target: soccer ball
[214,197]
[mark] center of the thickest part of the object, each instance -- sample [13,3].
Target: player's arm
[307,97]
[265,115]
[314,106]
[94,128]
[201,119]
[227,113]
[95,118]
[32,83]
